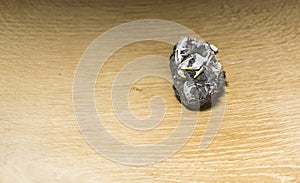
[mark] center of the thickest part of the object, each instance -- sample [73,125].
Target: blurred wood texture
[42,43]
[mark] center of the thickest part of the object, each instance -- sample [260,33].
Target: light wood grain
[41,45]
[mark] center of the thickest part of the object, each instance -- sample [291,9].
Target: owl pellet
[197,75]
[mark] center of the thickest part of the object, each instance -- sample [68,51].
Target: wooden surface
[41,45]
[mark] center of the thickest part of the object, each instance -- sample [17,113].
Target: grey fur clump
[198,76]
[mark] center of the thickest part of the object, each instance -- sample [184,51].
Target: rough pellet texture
[198,76]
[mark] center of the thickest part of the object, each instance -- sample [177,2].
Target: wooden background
[41,45]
